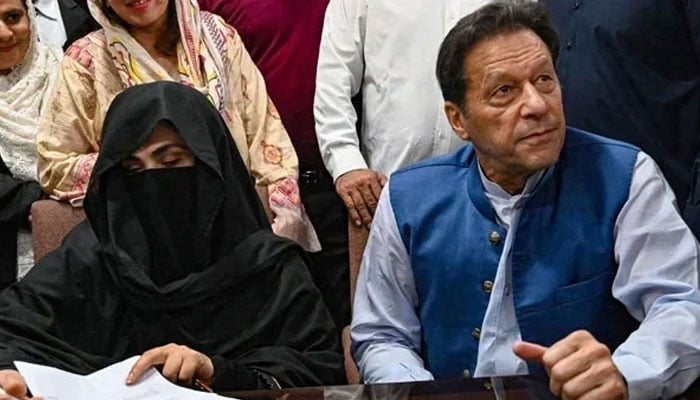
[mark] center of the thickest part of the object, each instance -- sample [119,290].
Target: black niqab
[228,208]
[166,201]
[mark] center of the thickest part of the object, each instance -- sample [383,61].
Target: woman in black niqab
[174,255]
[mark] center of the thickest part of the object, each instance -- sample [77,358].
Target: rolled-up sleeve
[657,281]
[386,332]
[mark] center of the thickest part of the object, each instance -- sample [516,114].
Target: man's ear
[457,118]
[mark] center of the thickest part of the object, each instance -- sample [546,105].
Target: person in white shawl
[27,71]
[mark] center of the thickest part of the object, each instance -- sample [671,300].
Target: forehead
[163,133]
[508,52]
[7,5]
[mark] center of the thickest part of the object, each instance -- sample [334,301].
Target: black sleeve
[16,198]
[233,375]
[288,336]
[51,316]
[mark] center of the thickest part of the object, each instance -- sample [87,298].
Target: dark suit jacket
[76,19]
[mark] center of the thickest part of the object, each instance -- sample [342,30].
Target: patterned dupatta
[200,54]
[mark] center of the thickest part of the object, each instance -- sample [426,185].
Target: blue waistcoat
[563,262]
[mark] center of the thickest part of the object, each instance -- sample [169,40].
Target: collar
[48,9]
[495,190]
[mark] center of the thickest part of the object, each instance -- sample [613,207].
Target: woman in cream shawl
[152,40]
[27,71]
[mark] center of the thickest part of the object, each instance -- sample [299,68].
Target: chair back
[51,222]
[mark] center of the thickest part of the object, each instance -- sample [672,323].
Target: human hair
[486,22]
[167,44]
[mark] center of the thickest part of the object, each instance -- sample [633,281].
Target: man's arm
[386,332]
[339,78]
[657,281]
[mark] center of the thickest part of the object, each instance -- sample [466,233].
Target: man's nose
[534,104]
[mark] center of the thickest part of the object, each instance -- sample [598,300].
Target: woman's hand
[180,364]
[12,386]
[290,219]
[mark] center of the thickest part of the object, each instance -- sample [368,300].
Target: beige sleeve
[67,142]
[270,151]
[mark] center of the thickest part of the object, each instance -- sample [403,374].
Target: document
[106,384]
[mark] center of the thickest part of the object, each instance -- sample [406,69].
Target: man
[62,22]
[642,59]
[283,37]
[535,243]
[384,49]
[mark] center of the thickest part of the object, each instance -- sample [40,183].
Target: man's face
[514,115]
[164,149]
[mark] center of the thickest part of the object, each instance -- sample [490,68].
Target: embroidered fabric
[291,220]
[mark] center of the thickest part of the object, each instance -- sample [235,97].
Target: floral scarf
[199,53]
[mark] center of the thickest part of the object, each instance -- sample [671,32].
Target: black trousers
[330,266]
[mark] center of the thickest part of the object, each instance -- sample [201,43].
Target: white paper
[108,384]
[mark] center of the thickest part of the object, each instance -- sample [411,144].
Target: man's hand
[360,190]
[12,386]
[579,367]
[180,364]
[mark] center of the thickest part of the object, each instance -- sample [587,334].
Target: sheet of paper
[108,383]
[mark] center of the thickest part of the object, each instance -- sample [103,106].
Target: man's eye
[503,91]
[545,82]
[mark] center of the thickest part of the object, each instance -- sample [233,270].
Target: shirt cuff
[344,159]
[642,380]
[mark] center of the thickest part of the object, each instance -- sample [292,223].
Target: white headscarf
[23,95]
[22,99]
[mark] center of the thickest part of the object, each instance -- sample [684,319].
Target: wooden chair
[357,240]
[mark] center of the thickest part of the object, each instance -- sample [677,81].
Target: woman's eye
[131,168]
[13,18]
[170,162]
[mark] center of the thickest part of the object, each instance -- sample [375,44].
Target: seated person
[535,249]
[167,40]
[27,71]
[176,261]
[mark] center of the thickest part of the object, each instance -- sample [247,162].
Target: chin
[538,162]
[9,65]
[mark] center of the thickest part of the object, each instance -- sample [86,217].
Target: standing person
[386,50]
[283,39]
[62,22]
[176,262]
[639,58]
[27,73]
[172,40]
